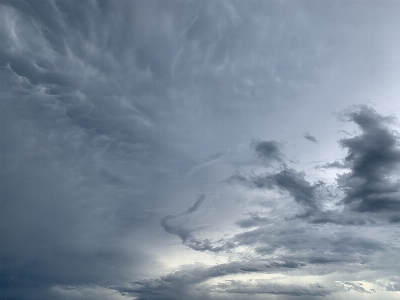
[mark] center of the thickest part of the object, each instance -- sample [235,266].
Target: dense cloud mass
[199,150]
[373,184]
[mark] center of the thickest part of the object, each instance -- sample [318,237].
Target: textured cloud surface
[199,149]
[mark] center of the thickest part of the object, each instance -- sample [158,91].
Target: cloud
[209,161]
[181,232]
[263,288]
[309,137]
[373,157]
[192,280]
[394,284]
[187,234]
[254,220]
[335,164]
[293,182]
[108,106]
[356,286]
[268,150]
[335,217]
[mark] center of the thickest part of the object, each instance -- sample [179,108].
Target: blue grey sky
[200,150]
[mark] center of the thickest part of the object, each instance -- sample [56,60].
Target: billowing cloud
[374,158]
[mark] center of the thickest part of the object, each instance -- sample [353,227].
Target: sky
[200,150]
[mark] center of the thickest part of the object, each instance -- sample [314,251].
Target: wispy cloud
[311,138]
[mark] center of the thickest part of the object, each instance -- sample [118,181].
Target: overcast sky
[200,150]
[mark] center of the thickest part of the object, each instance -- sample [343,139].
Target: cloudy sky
[200,150]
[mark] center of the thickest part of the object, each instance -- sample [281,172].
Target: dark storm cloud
[309,137]
[373,157]
[268,150]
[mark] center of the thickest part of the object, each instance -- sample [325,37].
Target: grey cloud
[356,286]
[242,287]
[346,244]
[394,219]
[254,220]
[268,150]
[293,182]
[197,204]
[336,164]
[186,234]
[374,157]
[105,106]
[237,178]
[309,137]
[394,284]
[335,217]
[309,245]
[181,232]
[325,260]
[78,148]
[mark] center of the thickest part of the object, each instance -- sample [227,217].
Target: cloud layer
[188,150]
